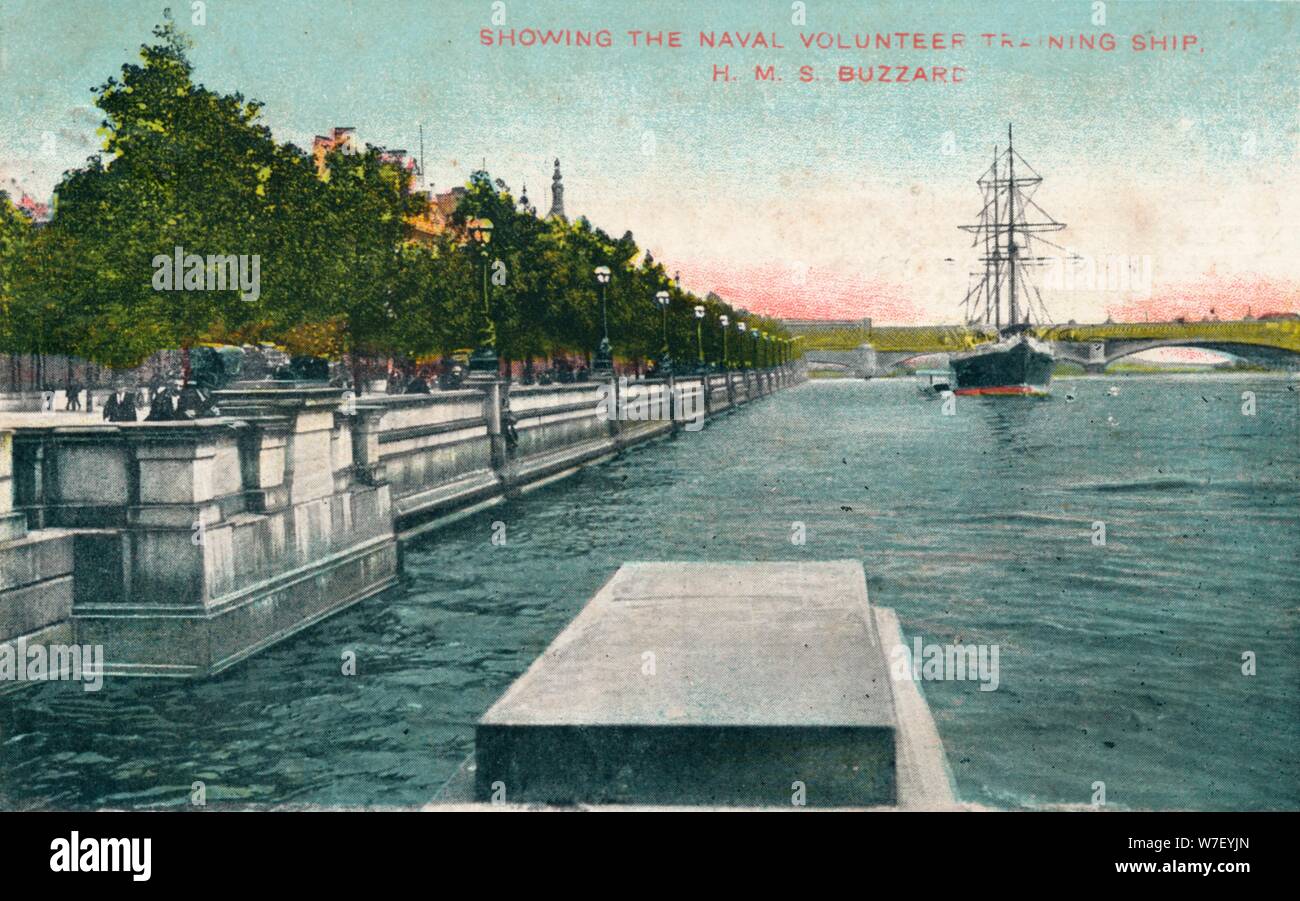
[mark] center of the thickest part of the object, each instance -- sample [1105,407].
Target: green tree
[186,168]
[15,232]
[358,256]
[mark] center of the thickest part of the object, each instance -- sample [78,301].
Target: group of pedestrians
[165,403]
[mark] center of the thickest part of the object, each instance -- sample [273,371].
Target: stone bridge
[867,352]
[1095,356]
[862,362]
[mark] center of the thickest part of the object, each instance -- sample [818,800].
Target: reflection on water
[1118,663]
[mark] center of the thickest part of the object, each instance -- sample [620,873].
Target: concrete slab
[924,780]
[714,684]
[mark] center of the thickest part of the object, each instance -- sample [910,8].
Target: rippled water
[1119,663]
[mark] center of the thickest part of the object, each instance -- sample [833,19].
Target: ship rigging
[1010,226]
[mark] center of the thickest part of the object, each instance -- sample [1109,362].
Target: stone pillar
[492,416]
[12,525]
[671,388]
[190,482]
[613,424]
[261,456]
[365,444]
[308,409]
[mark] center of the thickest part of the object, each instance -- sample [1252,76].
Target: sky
[823,199]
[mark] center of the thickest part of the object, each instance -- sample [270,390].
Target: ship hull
[1020,367]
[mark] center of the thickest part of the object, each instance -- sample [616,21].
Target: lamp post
[665,353]
[724,321]
[604,356]
[762,349]
[744,351]
[483,362]
[699,333]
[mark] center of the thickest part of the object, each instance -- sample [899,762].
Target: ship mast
[1013,315]
[995,286]
[1024,223]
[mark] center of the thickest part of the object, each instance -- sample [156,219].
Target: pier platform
[713,685]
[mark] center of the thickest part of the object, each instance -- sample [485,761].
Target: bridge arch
[813,363]
[888,362]
[860,361]
[1261,354]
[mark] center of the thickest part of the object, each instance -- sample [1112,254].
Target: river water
[1118,663]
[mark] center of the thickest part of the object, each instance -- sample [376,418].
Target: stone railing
[444,451]
[199,542]
[183,547]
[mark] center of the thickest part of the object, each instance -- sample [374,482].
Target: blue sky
[858,186]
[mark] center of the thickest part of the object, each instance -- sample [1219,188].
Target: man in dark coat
[120,406]
[194,403]
[417,385]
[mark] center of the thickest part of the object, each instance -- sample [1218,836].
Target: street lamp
[604,356]
[663,298]
[699,333]
[762,348]
[724,321]
[483,362]
[744,353]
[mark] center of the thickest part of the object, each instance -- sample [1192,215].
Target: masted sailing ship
[1003,296]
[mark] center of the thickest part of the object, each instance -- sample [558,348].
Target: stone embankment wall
[184,547]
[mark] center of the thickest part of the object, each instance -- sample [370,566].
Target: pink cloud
[794,292]
[1215,296]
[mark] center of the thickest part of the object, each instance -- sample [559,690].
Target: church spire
[557,196]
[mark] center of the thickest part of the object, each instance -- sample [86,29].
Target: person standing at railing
[120,406]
